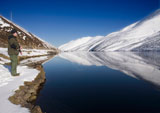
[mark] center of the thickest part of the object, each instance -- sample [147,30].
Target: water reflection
[144,66]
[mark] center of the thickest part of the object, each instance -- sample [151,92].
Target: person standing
[13,51]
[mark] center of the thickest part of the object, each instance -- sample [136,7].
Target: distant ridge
[143,35]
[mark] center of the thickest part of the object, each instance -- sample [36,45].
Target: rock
[31,90]
[32,98]
[27,94]
[22,87]
[36,109]
[27,83]
[13,100]
[21,93]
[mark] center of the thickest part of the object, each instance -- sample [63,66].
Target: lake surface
[90,82]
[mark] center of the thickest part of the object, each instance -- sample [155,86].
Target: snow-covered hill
[35,52]
[26,39]
[143,35]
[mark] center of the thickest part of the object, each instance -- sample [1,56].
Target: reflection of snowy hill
[140,36]
[141,66]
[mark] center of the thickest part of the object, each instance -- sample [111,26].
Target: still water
[90,82]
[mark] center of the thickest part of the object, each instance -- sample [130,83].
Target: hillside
[26,39]
[143,35]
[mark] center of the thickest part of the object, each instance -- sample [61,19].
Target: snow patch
[8,84]
[27,52]
[3,24]
[24,37]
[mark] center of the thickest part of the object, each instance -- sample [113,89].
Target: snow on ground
[3,60]
[3,24]
[36,59]
[27,52]
[8,84]
[33,52]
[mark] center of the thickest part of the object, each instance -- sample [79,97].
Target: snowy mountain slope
[73,44]
[135,37]
[26,39]
[144,66]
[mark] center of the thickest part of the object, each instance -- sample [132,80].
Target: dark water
[101,83]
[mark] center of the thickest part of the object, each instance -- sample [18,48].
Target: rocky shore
[27,94]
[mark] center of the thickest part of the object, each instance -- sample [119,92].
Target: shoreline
[27,94]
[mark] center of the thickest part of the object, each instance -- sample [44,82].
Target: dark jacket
[13,45]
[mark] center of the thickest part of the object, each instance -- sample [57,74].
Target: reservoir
[99,82]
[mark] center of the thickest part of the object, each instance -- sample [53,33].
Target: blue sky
[60,21]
